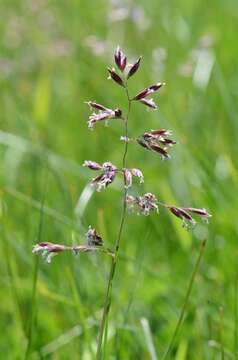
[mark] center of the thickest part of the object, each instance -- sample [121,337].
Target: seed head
[147,91]
[134,68]
[162,151]
[120,59]
[93,238]
[95,105]
[142,204]
[185,214]
[102,181]
[92,165]
[200,212]
[102,114]
[157,141]
[143,143]
[108,166]
[48,250]
[150,103]
[128,175]
[114,76]
[160,132]
[138,173]
[106,177]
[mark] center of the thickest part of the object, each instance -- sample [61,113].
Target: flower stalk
[107,304]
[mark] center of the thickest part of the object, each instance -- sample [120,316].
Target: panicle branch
[102,114]
[143,205]
[157,141]
[108,174]
[94,243]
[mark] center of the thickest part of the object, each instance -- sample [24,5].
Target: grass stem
[185,304]
[107,304]
[35,278]
[236,317]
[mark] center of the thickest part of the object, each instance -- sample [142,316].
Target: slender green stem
[107,303]
[185,304]
[236,317]
[221,310]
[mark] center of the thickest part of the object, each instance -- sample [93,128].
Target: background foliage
[53,58]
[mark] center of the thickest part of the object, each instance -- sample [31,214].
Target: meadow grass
[53,59]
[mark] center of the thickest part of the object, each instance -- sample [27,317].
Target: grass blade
[35,278]
[185,304]
[148,338]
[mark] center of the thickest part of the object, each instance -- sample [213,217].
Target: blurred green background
[53,58]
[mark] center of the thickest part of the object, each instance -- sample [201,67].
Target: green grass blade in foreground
[13,281]
[221,310]
[62,340]
[236,317]
[217,346]
[185,304]
[54,160]
[83,321]
[148,338]
[61,218]
[34,279]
